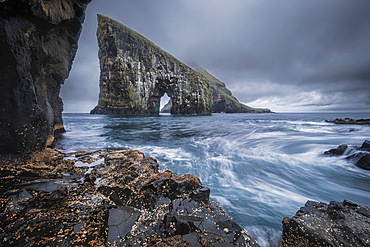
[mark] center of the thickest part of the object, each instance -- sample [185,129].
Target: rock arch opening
[165,104]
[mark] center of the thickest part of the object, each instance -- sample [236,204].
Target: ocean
[259,167]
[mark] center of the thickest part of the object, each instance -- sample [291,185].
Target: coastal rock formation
[223,100]
[349,121]
[336,224]
[360,156]
[108,198]
[38,42]
[135,74]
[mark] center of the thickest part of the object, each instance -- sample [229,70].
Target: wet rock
[59,194]
[173,241]
[364,162]
[349,121]
[201,195]
[171,185]
[131,203]
[337,151]
[365,145]
[48,185]
[120,223]
[336,224]
[360,156]
[90,178]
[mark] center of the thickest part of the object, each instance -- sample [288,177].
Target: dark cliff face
[38,41]
[135,74]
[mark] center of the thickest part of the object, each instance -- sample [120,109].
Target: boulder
[364,161]
[320,224]
[360,156]
[337,151]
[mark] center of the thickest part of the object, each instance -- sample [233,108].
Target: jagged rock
[349,121]
[135,74]
[120,223]
[151,208]
[365,146]
[38,42]
[363,161]
[360,156]
[336,224]
[337,151]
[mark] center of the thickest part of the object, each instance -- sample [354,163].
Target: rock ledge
[107,198]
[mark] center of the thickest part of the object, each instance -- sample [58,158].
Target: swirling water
[259,167]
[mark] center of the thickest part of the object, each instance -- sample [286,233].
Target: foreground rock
[112,198]
[360,156]
[38,42]
[135,74]
[349,121]
[336,224]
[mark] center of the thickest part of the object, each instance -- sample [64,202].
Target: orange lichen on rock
[193,180]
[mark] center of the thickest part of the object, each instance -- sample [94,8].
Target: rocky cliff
[135,74]
[223,100]
[38,41]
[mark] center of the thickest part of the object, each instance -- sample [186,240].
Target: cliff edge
[38,41]
[223,100]
[135,74]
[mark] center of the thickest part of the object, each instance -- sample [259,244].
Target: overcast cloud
[286,55]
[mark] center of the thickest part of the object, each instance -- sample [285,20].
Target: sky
[286,55]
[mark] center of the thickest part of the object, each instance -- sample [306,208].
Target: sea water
[259,167]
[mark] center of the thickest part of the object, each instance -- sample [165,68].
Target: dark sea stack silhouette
[38,42]
[135,74]
[334,224]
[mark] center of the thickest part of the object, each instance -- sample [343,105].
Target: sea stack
[38,42]
[223,99]
[135,74]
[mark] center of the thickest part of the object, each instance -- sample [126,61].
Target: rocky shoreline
[108,198]
[122,198]
[349,121]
